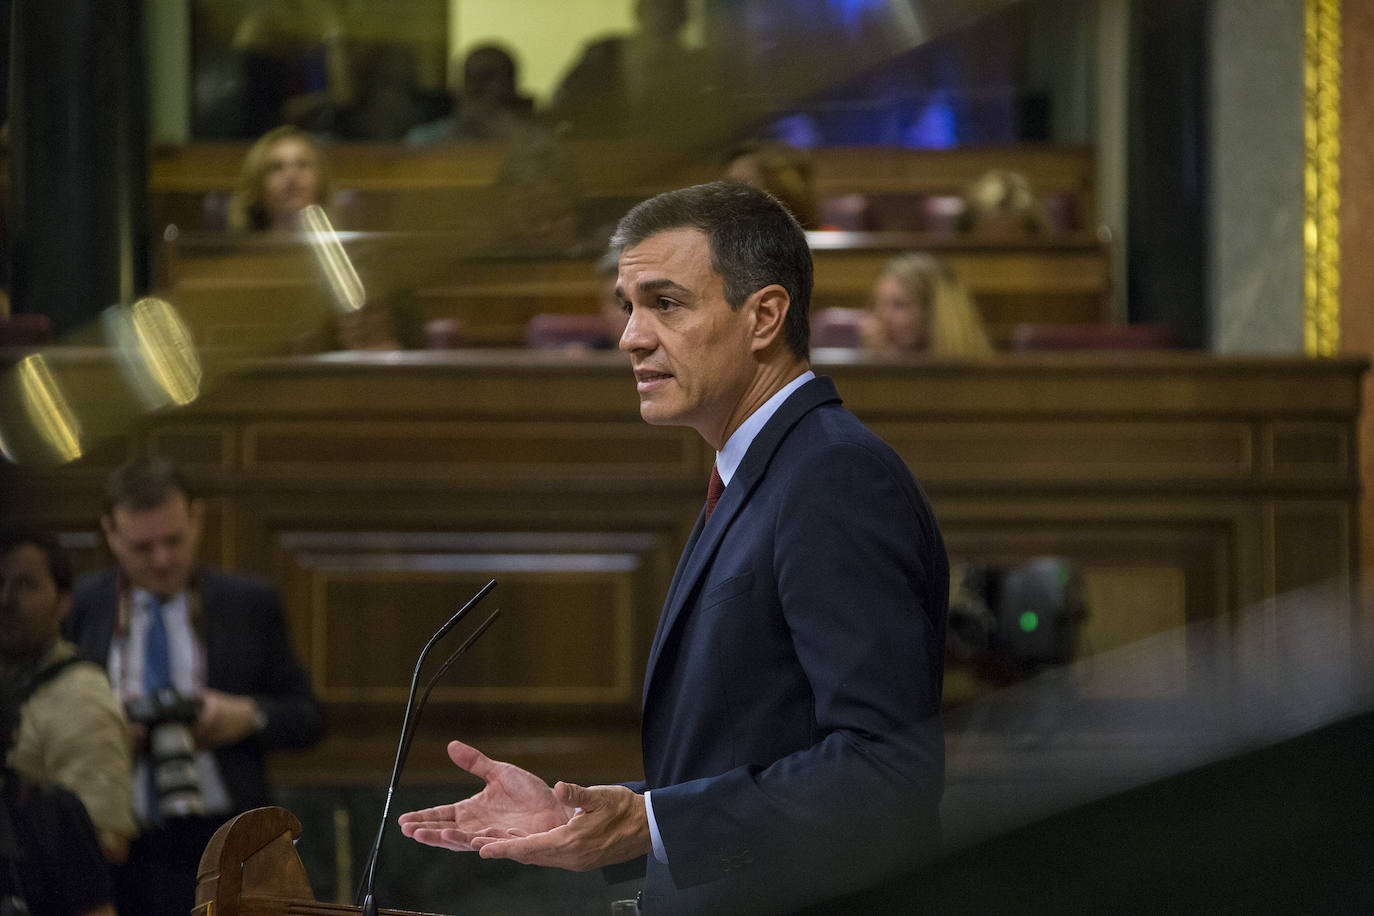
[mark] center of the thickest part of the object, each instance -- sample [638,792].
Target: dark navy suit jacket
[247,652]
[791,730]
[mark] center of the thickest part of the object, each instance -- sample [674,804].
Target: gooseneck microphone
[366,897]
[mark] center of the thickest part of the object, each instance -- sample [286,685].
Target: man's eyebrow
[661,285]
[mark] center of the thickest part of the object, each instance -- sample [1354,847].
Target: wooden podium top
[250,868]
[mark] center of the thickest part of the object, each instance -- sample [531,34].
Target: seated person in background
[612,309]
[920,305]
[623,82]
[1001,203]
[71,730]
[539,200]
[578,331]
[203,660]
[283,173]
[50,861]
[781,170]
[488,106]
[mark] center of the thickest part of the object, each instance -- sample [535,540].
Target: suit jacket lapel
[701,546]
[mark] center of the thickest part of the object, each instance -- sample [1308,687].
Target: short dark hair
[144,483]
[14,536]
[754,243]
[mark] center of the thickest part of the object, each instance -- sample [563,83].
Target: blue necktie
[157,675]
[157,660]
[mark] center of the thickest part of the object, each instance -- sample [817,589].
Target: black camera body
[1025,615]
[168,716]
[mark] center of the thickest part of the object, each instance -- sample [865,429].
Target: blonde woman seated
[920,305]
[283,173]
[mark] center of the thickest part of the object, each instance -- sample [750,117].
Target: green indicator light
[1029,621]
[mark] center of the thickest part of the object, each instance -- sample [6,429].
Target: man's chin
[655,415]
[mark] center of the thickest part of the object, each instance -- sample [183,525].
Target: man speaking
[793,755]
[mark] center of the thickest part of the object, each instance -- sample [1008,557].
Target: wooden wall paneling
[1189,488]
[1086,453]
[1311,541]
[196,448]
[1323,449]
[568,621]
[402,449]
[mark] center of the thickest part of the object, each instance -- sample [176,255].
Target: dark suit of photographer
[229,659]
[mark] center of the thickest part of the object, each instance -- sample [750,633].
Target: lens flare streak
[339,273]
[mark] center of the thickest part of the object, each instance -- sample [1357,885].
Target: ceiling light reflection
[155,352]
[339,273]
[48,409]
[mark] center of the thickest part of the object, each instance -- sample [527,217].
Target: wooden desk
[381,490]
[390,186]
[233,289]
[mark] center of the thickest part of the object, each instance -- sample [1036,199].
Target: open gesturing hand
[514,802]
[609,825]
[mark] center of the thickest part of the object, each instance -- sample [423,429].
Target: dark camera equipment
[1025,615]
[168,716]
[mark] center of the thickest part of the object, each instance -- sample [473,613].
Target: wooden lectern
[250,868]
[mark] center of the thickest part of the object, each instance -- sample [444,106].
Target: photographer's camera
[168,717]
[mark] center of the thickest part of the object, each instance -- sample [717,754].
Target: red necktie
[713,491]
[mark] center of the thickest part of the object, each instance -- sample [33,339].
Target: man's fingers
[445,839]
[437,813]
[410,827]
[471,759]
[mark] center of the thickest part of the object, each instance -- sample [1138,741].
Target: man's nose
[637,335]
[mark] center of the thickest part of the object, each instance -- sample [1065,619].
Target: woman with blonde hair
[919,304]
[283,173]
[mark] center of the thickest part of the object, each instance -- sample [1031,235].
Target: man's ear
[64,605]
[770,315]
[107,525]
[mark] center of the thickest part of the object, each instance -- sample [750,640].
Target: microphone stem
[366,896]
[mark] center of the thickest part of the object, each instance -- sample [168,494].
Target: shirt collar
[728,458]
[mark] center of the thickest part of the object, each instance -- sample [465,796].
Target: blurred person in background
[283,173]
[626,81]
[292,66]
[783,171]
[488,105]
[50,860]
[1001,203]
[538,200]
[202,661]
[920,305]
[611,308]
[71,730]
[580,331]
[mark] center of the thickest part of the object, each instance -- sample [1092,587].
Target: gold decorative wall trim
[1322,178]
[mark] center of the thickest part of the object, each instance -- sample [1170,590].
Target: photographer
[203,665]
[70,730]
